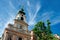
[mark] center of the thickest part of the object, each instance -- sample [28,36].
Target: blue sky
[36,10]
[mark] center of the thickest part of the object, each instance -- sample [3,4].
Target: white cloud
[11,12]
[35,11]
[11,5]
[1,24]
[29,11]
[55,20]
[45,16]
[1,32]
[50,16]
[28,3]
[31,23]
[10,19]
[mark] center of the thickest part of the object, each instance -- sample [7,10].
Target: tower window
[22,18]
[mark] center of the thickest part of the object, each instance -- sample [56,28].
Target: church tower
[18,30]
[20,21]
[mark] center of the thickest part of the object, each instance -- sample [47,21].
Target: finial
[22,8]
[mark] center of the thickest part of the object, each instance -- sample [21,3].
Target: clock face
[19,26]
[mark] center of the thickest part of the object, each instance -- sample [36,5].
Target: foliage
[43,32]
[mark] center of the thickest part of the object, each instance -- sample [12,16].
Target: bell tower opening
[21,15]
[22,18]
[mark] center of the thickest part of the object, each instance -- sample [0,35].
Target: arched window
[19,38]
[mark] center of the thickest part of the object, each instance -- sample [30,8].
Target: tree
[39,30]
[43,32]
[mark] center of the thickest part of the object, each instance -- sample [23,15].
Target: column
[33,37]
[14,37]
[5,36]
